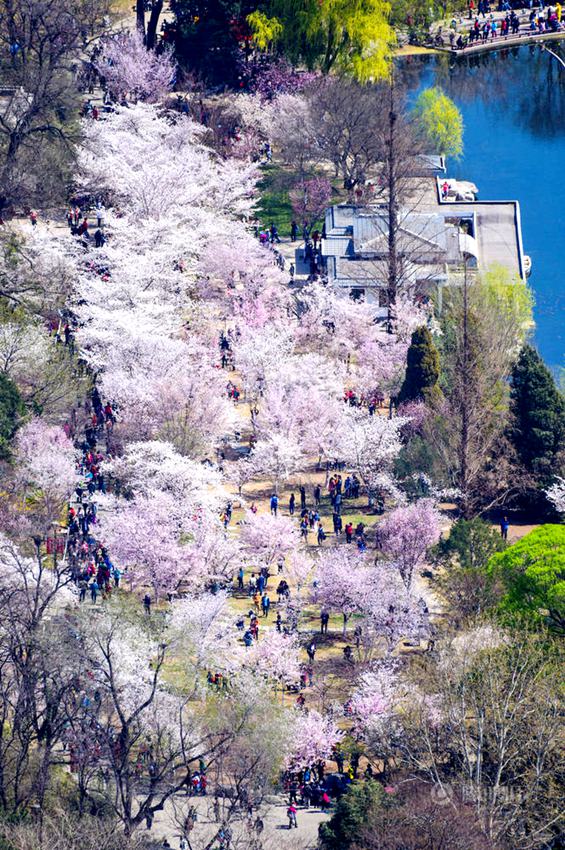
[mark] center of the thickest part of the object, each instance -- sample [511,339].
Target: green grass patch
[274,205]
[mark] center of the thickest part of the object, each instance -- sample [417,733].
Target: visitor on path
[311,651]
[274,504]
[504,526]
[291,503]
[147,604]
[240,576]
[293,232]
[317,495]
[321,534]
[291,814]
[324,620]
[94,588]
[302,498]
[265,605]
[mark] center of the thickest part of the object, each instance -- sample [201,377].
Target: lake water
[513,106]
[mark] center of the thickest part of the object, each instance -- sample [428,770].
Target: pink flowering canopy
[131,69]
[312,738]
[407,533]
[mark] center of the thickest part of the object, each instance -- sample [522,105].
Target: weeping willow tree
[440,122]
[351,36]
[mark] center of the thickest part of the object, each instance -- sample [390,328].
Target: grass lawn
[274,205]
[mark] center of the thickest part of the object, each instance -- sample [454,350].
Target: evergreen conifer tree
[538,413]
[422,369]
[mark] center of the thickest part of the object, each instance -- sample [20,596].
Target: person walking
[291,503]
[240,576]
[274,504]
[94,588]
[147,604]
[324,620]
[291,814]
[504,526]
[317,495]
[302,498]
[265,604]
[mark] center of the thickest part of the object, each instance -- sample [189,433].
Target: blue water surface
[513,106]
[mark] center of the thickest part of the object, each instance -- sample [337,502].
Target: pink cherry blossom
[312,738]
[131,69]
[407,533]
[268,538]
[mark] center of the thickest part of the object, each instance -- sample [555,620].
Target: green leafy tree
[471,544]
[351,814]
[530,575]
[354,37]
[538,409]
[266,31]
[463,557]
[422,369]
[440,121]
[11,411]
[484,323]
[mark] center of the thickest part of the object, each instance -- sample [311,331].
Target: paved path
[168,824]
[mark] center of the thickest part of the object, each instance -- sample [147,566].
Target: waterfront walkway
[503,42]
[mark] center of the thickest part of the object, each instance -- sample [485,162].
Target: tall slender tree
[538,410]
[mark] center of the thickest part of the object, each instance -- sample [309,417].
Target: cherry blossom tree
[391,612]
[268,538]
[369,444]
[300,567]
[46,469]
[310,198]
[343,582]
[556,494]
[277,458]
[130,68]
[375,697]
[202,628]
[161,172]
[407,533]
[143,536]
[276,656]
[313,738]
[162,541]
[156,465]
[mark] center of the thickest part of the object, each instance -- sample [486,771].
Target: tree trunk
[464,432]
[140,16]
[151,37]
[392,211]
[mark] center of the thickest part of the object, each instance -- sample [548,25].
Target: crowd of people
[486,26]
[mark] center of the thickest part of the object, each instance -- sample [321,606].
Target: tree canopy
[531,575]
[440,121]
[538,410]
[422,368]
[11,409]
